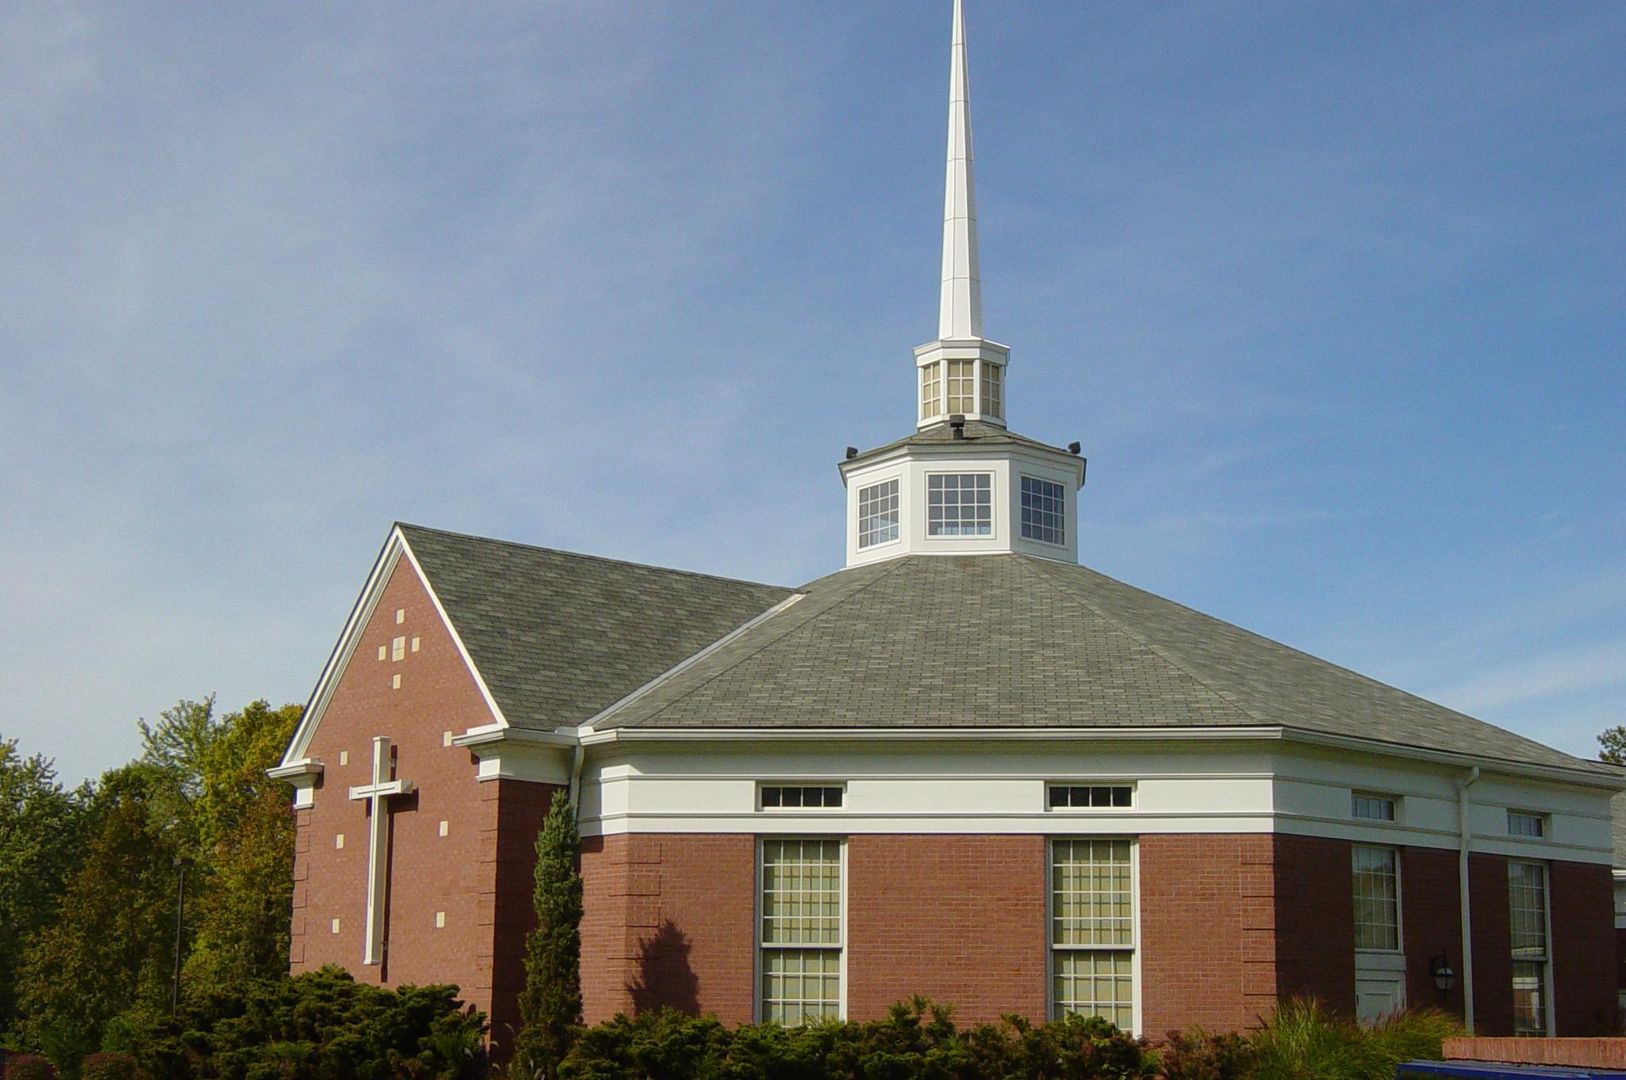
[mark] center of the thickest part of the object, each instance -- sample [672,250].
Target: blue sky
[1334,295]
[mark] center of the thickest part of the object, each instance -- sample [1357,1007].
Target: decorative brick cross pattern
[377,795]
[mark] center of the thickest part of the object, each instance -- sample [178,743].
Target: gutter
[577,759]
[1464,843]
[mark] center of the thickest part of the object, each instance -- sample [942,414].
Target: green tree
[550,1007]
[1612,745]
[244,826]
[41,838]
[109,950]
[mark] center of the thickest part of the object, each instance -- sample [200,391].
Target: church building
[963,765]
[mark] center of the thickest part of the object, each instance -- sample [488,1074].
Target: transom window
[1372,807]
[1527,910]
[931,389]
[801,796]
[1377,899]
[1070,796]
[1524,823]
[1044,506]
[801,931]
[1092,935]
[959,504]
[962,387]
[993,377]
[878,514]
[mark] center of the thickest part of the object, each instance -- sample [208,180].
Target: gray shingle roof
[977,433]
[559,636]
[1010,641]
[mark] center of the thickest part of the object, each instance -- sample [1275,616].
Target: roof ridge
[1167,654]
[812,616]
[407,525]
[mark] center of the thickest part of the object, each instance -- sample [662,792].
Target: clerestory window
[959,504]
[878,514]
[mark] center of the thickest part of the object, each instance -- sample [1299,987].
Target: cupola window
[959,504]
[878,514]
[993,390]
[1043,511]
[931,391]
[962,387]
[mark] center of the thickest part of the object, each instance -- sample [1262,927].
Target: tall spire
[960,315]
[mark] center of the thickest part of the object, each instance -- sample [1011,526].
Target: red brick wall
[1581,898]
[1431,919]
[960,919]
[428,873]
[513,811]
[1223,975]
[1493,945]
[1315,921]
[669,920]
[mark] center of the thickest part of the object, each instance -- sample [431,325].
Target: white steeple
[962,484]
[960,315]
[961,373]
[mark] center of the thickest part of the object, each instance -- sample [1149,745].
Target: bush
[316,1026]
[28,1067]
[917,1041]
[1303,1042]
[106,1066]
[1197,1055]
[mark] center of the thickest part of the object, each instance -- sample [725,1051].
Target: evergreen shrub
[112,1066]
[28,1067]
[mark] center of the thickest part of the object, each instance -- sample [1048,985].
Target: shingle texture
[559,636]
[1010,641]
[976,433]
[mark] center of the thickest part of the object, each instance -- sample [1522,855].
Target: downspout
[578,759]
[1464,838]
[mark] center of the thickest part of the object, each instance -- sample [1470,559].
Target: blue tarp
[1490,1070]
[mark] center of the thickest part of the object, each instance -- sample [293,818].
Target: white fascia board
[361,613]
[951,451]
[294,770]
[683,665]
[1099,734]
[490,734]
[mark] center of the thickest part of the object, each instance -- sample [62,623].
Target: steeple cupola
[962,484]
[961,373]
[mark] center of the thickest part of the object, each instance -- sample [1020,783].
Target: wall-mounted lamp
[1444,977]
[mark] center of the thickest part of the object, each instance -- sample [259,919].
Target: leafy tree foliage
[1612,745]
[109,950]
[550,1007]
[245,834]
[40,840]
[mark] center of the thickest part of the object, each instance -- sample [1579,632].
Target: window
[931,387]
[961,387]
[959,504]
[1044,506]
[1521,823]
[801,930]
[1527,911]
[801,796]
[993,377]
[1092,935]
[1081,795]
[878,514]
[1372,807]
[1377,899]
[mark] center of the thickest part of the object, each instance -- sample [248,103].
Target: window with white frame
[1076,796]
[801,930]
[1092,929]
[1044,506]
[1376,875]
[961,387]
[931,389]
[993,390]
[960,504]
[802,796]
[1371,807]
[878,514]
[1527,911]
[1525,823]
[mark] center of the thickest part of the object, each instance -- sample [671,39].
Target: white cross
[378,843]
